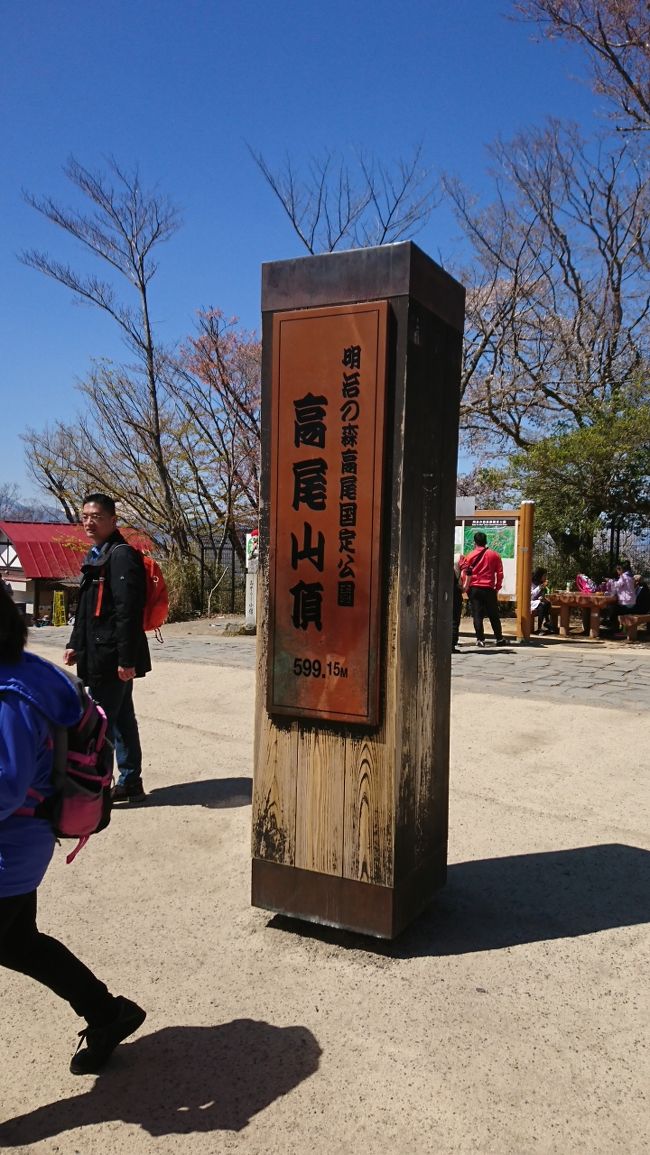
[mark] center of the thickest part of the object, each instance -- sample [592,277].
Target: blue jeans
[116,699]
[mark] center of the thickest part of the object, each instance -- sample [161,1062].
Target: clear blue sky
[179,87]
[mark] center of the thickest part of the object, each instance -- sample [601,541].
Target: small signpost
[252,555]
[360,397]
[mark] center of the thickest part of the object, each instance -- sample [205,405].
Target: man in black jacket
[108,643]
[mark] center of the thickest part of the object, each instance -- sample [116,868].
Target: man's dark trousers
[116,699]
[457,614]
[484,604]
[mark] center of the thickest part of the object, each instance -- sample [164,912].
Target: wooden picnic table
[591,605]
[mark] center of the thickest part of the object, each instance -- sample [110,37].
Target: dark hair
[480,538]
[13,628]
[625,566]
[102,499]
[538,574]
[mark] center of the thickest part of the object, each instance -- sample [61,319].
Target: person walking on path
[35,698]
[108,643]
[482,573]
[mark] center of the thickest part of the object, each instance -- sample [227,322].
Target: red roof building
[39,558]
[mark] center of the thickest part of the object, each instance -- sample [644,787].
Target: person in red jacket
[482,573]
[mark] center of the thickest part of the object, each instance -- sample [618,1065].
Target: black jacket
[107,631]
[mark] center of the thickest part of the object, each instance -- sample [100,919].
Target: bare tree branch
[559,294]
[616,35]
[338,205]
[121,225]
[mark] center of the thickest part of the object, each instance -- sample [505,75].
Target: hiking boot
[102,1041]
[502,641]
[130,791]
[480,644]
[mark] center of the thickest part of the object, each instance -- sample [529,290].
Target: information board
[501,534]
[327,439]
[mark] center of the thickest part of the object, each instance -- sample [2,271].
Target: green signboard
[499,537]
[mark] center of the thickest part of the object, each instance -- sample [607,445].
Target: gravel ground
[510,1018]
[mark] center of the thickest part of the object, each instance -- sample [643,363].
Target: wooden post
[350,797]
[524,569]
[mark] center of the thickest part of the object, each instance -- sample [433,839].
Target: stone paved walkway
[601,674]
[557,672]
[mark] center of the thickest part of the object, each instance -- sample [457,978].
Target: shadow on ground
[490,651]
[214,793]
[494,903]
[182,1080]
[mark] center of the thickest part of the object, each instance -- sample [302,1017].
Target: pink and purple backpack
[82,774]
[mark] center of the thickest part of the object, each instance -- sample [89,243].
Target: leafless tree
[9,499]
[559,290]
[616,34]
[218,397]
[338,205]
[208,431]
[51,462]
[122,228]
[108,448]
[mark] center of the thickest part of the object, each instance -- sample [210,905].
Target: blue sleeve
[18,748]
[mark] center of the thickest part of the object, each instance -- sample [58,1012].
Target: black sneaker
[480,644]
[502,642]
[102,1041]
[128,791]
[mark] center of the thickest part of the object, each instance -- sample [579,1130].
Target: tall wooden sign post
[360,397]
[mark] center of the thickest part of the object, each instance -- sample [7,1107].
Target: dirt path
[509,1019]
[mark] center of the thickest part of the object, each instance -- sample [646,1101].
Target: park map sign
[327,440]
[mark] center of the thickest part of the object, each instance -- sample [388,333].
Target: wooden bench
[631,622]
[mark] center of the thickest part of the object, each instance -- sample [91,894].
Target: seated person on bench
[623,588]
[540,605]
[642,603]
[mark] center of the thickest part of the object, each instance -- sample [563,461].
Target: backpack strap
[30,811]
[468,570]
[73,853]
[101,578]
[100,592]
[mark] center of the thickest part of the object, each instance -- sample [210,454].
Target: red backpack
[156,606]
[156,601]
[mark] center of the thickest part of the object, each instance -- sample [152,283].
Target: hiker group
[56,742]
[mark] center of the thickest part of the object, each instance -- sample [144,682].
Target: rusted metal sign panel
[327,441]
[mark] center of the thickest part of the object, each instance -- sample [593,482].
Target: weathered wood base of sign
[379,911]
[350,821]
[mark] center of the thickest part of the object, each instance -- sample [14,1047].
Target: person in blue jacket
[35,697]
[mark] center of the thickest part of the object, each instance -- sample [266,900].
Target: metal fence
[223,581]
[611,546]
